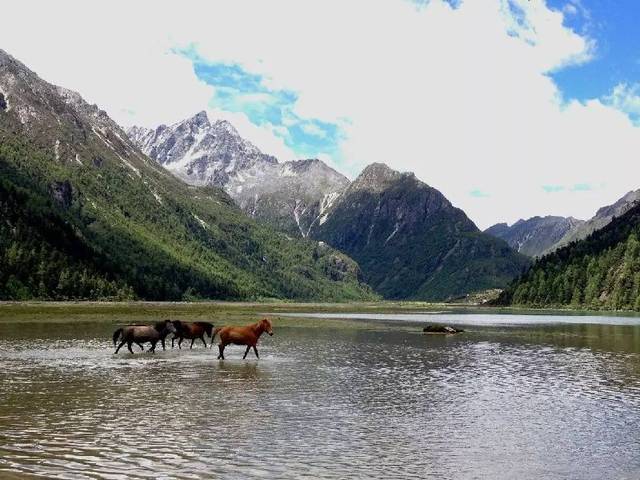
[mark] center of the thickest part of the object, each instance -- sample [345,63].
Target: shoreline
[93,310]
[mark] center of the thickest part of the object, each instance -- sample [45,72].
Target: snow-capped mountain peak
[288,195]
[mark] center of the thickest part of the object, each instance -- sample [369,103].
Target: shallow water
[510,398]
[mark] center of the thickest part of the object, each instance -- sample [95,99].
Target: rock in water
[441,329]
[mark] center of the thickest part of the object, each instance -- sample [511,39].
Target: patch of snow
[255,205]
[296,215]
[395,230]
[200,221]
[56,150]
[108,144]
[129,165]
[78,159]
[192,153]
[328,200]
[156,196]
[119,137]
[287,171]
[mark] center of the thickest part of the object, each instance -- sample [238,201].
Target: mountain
[601,271]
[602,218]
[410,242]
[535,236]
[289,196]
[85,214]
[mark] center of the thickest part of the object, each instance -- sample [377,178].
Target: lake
[332,396]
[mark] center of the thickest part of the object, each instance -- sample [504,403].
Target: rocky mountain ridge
[535,236]
[411,242]
[601,219]
[289,195]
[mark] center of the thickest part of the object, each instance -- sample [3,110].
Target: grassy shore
[228,312]
[206,311]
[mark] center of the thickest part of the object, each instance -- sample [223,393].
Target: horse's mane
[159,326]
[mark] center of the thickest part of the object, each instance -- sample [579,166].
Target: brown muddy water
[514,397]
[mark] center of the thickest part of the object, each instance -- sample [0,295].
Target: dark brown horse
[191,330]
[247,335]
[143,333]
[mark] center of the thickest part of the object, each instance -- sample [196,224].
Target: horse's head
[177,324]
[165,326]
[208,327]
[265,323]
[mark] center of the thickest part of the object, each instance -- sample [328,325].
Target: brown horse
[143,333]
[247,335]
[191,331]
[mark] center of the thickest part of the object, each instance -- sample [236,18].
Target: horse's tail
[116,334]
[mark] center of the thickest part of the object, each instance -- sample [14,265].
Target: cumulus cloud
[460,95]
[626,98]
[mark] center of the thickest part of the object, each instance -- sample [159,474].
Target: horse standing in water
[143,333]
[191,330]
[247,335]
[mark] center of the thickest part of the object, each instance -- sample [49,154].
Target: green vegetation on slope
[601,271]
[95,231]
[411,243]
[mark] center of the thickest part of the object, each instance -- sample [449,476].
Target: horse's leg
[162,341]
[203,341]
[174,337]
[221,348]
[153,346]
[246,352]
[255,350]
[120,346]
[129,343]
[180,342]
[192,340]
[140,345]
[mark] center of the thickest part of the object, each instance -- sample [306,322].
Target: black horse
[143,333]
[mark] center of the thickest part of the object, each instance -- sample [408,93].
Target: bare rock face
[537,235]
[290,196]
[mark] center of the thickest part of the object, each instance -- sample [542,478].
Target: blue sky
[237,90]
[615,61]
[505,109]
[614,27]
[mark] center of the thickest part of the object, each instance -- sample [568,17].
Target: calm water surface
[514,398]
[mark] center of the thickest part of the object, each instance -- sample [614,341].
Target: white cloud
[460,96]
[625,98]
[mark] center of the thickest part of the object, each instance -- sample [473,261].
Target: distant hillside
[86,215]
[411,242]
[601,271]
[535,236]
[602,218]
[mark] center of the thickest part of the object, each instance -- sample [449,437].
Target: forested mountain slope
[411,242]
[86,215]
[601,271]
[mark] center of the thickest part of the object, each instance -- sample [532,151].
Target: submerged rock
[441,329]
